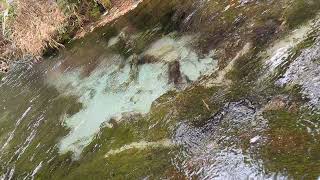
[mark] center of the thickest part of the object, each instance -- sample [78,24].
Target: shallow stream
[152,100]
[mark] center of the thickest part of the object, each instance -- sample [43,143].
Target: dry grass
[5,53]
[35,25]
[6,50]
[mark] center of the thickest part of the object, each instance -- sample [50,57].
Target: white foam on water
[168,49]
[106,96]
[304,71]
[280,51]
[109,91]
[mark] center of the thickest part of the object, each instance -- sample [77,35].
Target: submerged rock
[148,59]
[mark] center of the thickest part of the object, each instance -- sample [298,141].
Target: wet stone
[174,72]
[234,112]
[214,150]
[148,59]
[301,71]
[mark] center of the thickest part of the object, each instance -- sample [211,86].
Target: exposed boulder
[148,59]
[174,72]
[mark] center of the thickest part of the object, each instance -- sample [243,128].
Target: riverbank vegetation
[31,27]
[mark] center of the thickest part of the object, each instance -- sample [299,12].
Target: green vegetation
[293,144]
[300,11]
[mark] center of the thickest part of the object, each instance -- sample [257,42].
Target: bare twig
[206,105]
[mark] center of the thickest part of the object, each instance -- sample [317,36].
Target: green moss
[301,11]
[154,12]
[132,164]
[74,109]
[244,75]
[291,149]
[6,126]
[106,3]
[230,15]
[292,145]
[60,167]
[94,12]
[192,104]
[137,163]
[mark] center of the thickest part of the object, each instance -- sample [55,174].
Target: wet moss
[135,41]
[137,163]
[6,126]
[264,33]
[228,25]
[74,109]
[60,165]
[300,11]
[131,164]
[292,139]
[292,149]
[150,14]
[196,103]
[168,110]
[169,96]
[244,75]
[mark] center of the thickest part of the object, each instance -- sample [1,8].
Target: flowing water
[152,100]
